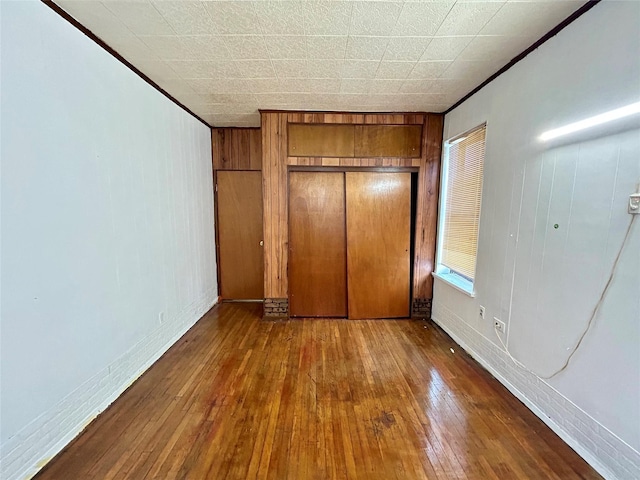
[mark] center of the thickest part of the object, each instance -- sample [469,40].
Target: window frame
[456,280]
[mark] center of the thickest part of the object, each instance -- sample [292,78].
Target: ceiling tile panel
[287,47]
[226,59]
[446,85]
[355,85]
[434,69]
[416,86]
[167,47]
[228,98]
[445,48]
[290,68]
[327,17]
[468,18]
[374,18]
[205,47]
[294,85]
[324,68]
[406,48]
[140,16]
[330,47]
[379,85]
[422,19]
[255,68]
[246,47]
[173,47]
[220,85]
[204,69]
[324,85]
[359,69]
[187,17]
[234,17]
[366,48]
[272,100]
[263,85]
[347,99]
[394,70]
[281,17]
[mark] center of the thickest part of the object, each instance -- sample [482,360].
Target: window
[460,200]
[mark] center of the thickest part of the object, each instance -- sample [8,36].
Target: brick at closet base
[276,307]
[421,308]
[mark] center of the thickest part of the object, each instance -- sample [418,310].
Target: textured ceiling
[224,60]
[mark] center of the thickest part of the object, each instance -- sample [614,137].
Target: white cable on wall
[592,318]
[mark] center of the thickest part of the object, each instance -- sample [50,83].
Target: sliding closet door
[317,250]
[378,244]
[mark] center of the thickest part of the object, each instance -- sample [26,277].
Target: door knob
[262,243]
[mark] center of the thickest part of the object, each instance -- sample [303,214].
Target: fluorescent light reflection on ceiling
[592,121]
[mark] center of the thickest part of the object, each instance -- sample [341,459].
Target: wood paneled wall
[275,160]
[236,148]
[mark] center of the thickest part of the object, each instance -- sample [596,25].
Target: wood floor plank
[239,397]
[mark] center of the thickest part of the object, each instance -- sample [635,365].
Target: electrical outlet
[499,325]
[634,204]
[481,311]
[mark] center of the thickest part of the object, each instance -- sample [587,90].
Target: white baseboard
[610,456]
[24,454]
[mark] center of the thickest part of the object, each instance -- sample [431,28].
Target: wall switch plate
[481,311]
[634,204]
[499,325]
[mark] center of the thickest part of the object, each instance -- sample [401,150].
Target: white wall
[107,231]
[544,282]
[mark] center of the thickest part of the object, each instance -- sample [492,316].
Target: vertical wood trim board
[275,196]
[427,211]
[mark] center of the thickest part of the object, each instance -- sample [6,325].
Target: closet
[350,244]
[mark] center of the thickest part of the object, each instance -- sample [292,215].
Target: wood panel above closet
[401,141]
[324,140]
[354,141]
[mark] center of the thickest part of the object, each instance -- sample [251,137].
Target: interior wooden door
[240,234]
[317,249]
[378,244]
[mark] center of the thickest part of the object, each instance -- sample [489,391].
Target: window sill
[457,282]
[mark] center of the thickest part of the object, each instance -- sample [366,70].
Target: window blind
[464,166]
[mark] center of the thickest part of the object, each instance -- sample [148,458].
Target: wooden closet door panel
[317,250]
[378,244]
[239,234]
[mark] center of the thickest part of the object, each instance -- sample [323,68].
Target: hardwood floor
[240,397]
